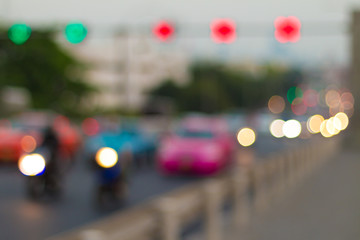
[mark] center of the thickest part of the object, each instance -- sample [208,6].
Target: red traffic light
[287,29]
[223,30]
[163,31]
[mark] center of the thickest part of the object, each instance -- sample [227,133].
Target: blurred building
[125,67]
[13,99]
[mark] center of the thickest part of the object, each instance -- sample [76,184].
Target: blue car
[139,145]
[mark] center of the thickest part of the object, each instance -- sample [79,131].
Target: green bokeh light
[19,33]
[75,32]
[294,92]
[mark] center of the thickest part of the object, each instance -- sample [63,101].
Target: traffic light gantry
[222,31]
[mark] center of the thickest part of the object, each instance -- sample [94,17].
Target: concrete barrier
[164,218]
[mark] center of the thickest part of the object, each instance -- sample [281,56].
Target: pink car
[201,148]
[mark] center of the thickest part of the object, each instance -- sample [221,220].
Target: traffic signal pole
[355,76]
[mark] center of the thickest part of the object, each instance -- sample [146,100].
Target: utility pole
[123,67]
[355,73]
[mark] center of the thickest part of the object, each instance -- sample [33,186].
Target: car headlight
[31,164]
[106,157]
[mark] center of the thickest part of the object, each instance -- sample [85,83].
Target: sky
[325,24]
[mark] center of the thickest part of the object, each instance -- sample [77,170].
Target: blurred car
[12,143]
[33,125]
[201,146]
[130,139]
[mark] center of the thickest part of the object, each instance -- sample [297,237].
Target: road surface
[21,218]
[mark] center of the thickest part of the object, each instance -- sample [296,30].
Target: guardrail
[246,189]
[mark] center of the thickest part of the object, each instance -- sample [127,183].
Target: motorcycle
[43,175]
[111,176]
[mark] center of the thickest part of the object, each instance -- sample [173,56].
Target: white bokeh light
[292,128]
[31,165]
[276,128]
[106,157]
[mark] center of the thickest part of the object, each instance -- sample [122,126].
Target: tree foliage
[53,77]
[215,87]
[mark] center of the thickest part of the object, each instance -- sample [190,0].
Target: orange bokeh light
[28,143]
[276,104]
[332,98]
[347,97]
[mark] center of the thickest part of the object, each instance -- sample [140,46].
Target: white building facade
[125,67]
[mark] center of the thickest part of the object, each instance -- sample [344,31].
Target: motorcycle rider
[113,181]
[51,175]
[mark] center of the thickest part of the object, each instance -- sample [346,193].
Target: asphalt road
[21,218]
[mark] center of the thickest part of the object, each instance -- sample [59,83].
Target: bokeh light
[347,97]
[337,125]
[106,157]
[321,98]
[347,104]
[314,123]
[19,33]
[276,128]
[31,165]
[163,31]
[323,129]
[28,144]
[330,127]
[75,32]
[292,128]
[287,29]
[294,92]
[298,107]
[276,104]
[310,98]
[332,98]
[223,30]
[342,121]
[90,126]
[246,137]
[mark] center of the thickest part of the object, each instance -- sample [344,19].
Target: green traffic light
[75,32]
[19,33]
[294,92]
